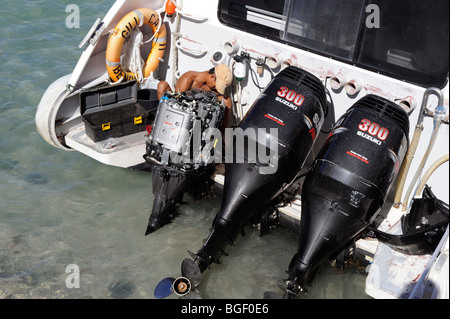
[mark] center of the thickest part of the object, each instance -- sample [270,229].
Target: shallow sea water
[62,208]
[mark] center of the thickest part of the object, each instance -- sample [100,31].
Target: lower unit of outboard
[268,151]
[182,150]
[348,183]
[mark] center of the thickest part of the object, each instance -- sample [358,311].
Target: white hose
[241,115]
[415,141]
[437,123]
[237,110]
[429,172]
[406,165]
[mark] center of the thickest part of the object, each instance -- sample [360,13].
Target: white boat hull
[58,119]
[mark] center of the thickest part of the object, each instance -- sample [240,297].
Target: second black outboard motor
[283,124]
[348,183]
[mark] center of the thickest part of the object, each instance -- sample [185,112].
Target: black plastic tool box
[115,111]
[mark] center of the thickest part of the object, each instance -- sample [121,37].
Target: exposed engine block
[182,150]
[181,126]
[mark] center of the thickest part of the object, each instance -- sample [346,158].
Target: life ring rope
[122,31]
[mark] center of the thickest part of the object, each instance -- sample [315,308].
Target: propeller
[189,269]
[164,288]
[181,286]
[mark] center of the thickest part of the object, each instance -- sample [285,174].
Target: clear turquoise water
[59,208]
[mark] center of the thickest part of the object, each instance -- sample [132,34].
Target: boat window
[330,27]
[412,41]
[404,39]
[263,17]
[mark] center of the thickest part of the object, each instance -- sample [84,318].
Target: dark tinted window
[327,26]
[410,42]
[253,15]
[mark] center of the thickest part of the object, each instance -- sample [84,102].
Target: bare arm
[185,82]
[226,113]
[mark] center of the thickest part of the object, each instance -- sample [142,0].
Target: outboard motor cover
[283,121]
[348,182]
[182,149]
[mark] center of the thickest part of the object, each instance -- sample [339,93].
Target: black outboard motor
[182,150]
[283,122]
[348,183]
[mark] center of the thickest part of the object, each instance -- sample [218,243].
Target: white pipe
[235,99]
[240,110]
[422,164]
[232,46]
[429,172]
[406,164]
[415,141]
[288,62]
[408,104]
[353,86]
[219,57]
[338,81]
[274,61]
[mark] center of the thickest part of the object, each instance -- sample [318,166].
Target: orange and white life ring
[122,31]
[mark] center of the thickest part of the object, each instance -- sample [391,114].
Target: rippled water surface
[62,208]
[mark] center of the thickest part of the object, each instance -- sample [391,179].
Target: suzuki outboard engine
[182,150]
[348,183]
[282,124]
